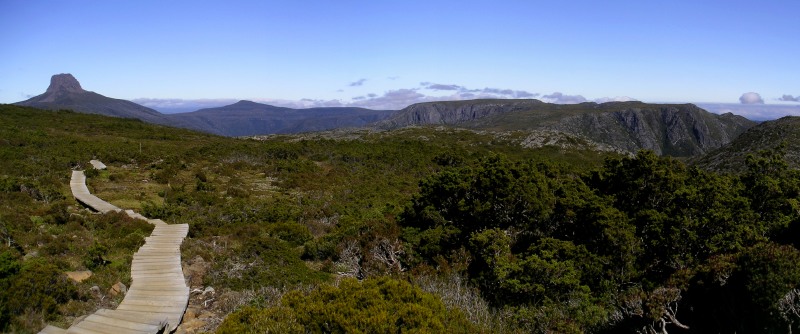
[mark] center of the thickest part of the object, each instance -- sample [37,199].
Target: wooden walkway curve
[158,294]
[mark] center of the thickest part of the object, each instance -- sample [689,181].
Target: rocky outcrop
[674,130]
[454,112]
[65,83]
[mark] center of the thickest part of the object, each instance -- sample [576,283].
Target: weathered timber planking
[158,295]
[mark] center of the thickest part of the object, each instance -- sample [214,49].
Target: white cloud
[442,87]
[462,92]
[789,98]
[615,99]
[751,98]
[559,98]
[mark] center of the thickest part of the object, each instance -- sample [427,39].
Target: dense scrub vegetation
[642,244]
[422,229]
[381,305]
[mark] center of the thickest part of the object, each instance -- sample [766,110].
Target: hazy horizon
[759,112]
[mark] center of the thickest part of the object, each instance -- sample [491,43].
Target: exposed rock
[191,326]
[674,130]
[118,288]
[79,276]
[196,320]
[537,139]
[191,313]
[64,82]
[30,255]
[454,112]
[95,291]
[206,315]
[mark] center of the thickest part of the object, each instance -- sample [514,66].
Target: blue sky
[387,54]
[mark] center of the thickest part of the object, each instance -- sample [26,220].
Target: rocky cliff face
[64,82]
[675,130]
[454,112]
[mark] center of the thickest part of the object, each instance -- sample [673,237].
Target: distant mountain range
[245,118]
[670,129]
[678,130]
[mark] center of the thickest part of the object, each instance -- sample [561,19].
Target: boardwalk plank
[49,329]
[133,325]
[106,328]
[140,297]
[78,330]
[144,317]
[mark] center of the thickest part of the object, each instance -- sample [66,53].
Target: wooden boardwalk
[97,164]
[158,294]
[82,194]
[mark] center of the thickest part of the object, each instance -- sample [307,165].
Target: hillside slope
[677,130]
[765,136]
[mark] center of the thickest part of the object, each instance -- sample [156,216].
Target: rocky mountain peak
[65,93]
[64,82]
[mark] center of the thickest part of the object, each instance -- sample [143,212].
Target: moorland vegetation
[411,230]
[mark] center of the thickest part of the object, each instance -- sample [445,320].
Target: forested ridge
[410,230]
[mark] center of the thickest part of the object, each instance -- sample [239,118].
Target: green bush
[9,184]
[266,261]
[250,319]
[37,286]
[95,256]
[319,249]
[155,211]
[543,240]
[9,265]
[381,305]
[91,172]
[293,233]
